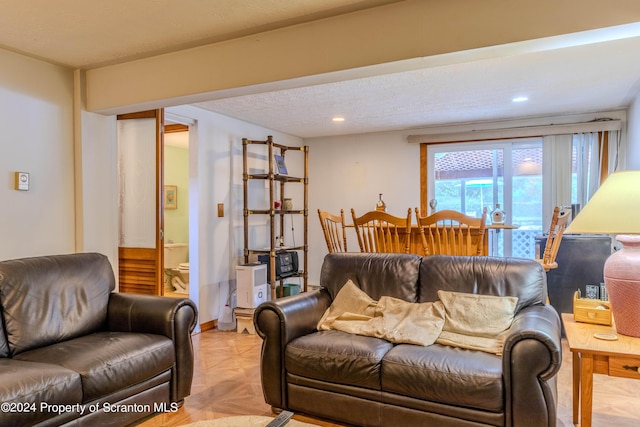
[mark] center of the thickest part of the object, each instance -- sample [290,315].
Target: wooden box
[591,310]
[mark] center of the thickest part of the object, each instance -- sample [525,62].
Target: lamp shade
[613,209]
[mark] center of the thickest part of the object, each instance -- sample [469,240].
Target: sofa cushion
[516,277]
[4,344]
[377,274]
[29,384]
[54,298]
[447,375]
[337,357]
[109,361]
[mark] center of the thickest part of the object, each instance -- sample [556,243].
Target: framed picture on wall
[170,197]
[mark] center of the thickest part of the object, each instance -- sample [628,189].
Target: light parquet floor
[227,382]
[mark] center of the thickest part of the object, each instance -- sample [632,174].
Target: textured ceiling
[597,77]
[84,34]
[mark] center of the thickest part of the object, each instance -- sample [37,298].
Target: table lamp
[615,209]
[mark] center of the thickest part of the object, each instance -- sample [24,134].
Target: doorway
[140,240]
[176,210]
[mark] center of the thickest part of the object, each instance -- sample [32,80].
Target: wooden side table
[590,355]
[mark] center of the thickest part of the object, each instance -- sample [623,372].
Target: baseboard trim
[207,326]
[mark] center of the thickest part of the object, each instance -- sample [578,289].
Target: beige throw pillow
[476,321]
[350,303]
[477,315]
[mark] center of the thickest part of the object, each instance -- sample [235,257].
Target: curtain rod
[518,132]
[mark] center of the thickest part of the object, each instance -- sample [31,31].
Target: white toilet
[176,267]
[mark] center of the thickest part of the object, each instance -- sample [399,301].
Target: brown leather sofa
[366,381]
[72,352]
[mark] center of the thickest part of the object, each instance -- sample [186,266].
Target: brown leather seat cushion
[445,374]
[338,357]
[108,361]
[30,383]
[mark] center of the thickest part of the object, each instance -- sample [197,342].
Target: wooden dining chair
[379,231]
[333,227]
[558,224]
[449,232]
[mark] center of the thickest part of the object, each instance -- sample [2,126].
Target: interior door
[141,202]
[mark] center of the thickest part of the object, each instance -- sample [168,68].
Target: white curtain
[588,165]
[589,149]
[556,165]
[616,152]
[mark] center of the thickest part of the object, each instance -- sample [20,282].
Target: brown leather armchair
[73,351]
[367,381]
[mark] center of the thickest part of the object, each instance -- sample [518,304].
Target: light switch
[22,181]
[220,210]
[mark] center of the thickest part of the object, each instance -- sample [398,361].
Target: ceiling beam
[383,39]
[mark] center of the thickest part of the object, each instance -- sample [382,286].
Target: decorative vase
[622,281]
[432,204]
[497,215]
[287,204]
[381,205]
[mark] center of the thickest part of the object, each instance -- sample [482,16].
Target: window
[468,177]
[528,177]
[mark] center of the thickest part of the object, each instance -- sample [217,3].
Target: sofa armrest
[278,322]
[531,360]
[174,318]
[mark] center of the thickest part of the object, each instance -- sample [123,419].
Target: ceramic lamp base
[622,280]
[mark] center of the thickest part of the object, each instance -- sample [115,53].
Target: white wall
[349,172]
[36,118]
[98,199]
[215,171]
[633,135]
[176,172]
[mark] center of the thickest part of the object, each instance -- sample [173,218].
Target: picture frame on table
[281,167]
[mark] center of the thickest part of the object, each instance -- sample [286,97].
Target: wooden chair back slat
[333,228]
[559,222]
[450,232]
[379,231]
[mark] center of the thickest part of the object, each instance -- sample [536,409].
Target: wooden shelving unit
[277,181]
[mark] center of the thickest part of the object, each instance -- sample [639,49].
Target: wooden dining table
[415,244]
[494,231]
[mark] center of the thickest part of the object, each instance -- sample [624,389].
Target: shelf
[275,177]
[275,212]
[276,250]
[275,182]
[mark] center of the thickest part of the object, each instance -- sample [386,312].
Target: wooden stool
[244,320]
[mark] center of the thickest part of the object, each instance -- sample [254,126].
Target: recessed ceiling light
[338,119]
[520,99]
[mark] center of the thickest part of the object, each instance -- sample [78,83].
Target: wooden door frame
[138,256]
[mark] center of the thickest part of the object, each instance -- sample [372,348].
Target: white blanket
[472,321]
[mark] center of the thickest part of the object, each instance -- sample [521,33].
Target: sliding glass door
[468,177]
